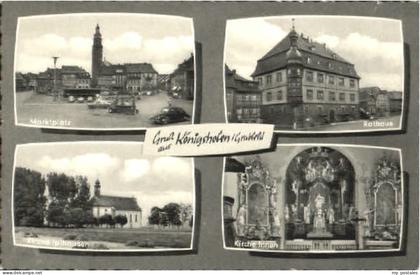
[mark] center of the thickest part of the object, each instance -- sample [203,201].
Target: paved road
[31,107]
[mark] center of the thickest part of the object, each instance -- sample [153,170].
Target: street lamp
[55,58]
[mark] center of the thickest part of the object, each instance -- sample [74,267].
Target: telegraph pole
[55,58]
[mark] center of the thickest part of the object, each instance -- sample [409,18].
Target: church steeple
[97,191]
[97,54]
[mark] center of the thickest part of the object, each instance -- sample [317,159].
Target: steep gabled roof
[322,58]
[140,68]
[119,203]
[239,83]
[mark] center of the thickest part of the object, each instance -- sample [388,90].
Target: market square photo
[103,71]
[315,73]
[315,198]
[101,196]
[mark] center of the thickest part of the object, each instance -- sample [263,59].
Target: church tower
[97,53]
[97,190]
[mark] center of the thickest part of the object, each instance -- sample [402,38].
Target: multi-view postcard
[314,198]
[104,71]
[315,73]
[101,196]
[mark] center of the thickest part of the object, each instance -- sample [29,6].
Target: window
[352,97]
[341,81]
[352,83]
[306,109]
[269,96]
[331,79]
[329,65]
[320,109]
[260,81]
[309,94]
[279,77]
[320,95]
[280,95]
[342,96]
[135,217]
[309,76]
[131,218]
[268,79]
[331,96]
[320,78]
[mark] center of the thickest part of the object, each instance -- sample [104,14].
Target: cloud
[379,63]
[90,165]
[243,43]
[134,169]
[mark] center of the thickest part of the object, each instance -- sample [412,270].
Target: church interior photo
[314,199]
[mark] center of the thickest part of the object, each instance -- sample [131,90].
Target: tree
[77,217]
[82,197]
[154,218]
[29,200]
[106,219]
[121,220]
[173,213]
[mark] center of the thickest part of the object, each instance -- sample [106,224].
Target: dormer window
[329,65]
[308,60]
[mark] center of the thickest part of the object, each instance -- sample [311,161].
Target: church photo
[100,71]
[317,198]
[101,196]
[315,74]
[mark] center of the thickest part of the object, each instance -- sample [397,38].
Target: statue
[275,229]
[240,221]
[319,218]
[331,218]
[286,213]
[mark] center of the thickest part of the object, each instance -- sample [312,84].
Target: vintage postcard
[100,71]
[101,196]
[314,198]
[315,74]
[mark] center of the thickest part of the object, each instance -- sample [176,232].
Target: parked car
[123,104]
[170,114]
[80,99]
[99,103]
[71,99]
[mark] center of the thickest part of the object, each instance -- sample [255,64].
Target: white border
[101,250]
[334,146]
[98,14]
[373,129]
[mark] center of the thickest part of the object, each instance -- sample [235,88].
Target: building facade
[395,102]
[182,79]
[305,84]
[113,205]
[243,98]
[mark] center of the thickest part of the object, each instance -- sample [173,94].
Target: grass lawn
[155,237]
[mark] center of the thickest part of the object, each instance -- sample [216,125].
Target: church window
[320,95]
[309,76]
[131,218]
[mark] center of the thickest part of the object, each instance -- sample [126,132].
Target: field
[103,238]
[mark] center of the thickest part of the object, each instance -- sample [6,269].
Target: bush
[146,243]
[132,243]
[70,237]
[100,246]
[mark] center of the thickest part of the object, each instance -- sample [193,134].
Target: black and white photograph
[99,71]
[101,196]
[314,198]
[310,74]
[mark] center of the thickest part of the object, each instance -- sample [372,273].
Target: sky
[120,167]
[374,46]
[164,41]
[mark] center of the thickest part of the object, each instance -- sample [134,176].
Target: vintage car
[123,104]
[170,114]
